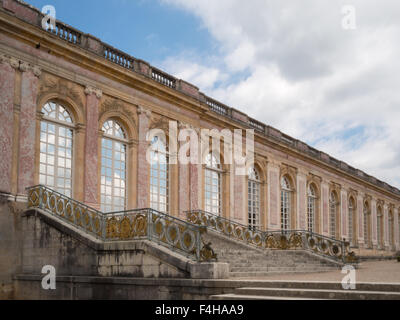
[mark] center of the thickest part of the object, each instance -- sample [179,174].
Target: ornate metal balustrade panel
[177,235]
[275,240]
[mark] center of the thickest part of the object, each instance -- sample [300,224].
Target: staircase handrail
[173,233]
[329,247]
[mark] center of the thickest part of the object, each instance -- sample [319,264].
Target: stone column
[27,127]
[360,222]
[374,223]
[274,196]
[184,171]
[386,226]
[396,228]
[325,207]
[301,221]
[195,177]
[7,89]
[132,174]
[143,189]
[91,181]
[344,215]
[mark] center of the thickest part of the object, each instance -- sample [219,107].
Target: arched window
[311,207]
[113,168]
[379,227]
[254,198]
[351,221]
[212,185]
[56,141]
[159,175]
[286,207]
[332,213]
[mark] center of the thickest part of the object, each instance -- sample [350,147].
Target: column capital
[25,67]
[91,90]
[13,62]
[146,112]
[80,127]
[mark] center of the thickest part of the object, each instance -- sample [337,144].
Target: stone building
[74,114]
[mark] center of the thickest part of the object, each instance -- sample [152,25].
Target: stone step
[246,274]
[232,296]
[271,264]
[319,293]
[283,269]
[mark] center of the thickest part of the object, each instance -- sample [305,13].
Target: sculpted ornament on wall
[111,104]
[51,84]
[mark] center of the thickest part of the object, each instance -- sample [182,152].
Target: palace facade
[75,113]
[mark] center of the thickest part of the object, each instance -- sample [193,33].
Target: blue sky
[290,64]
[146,29]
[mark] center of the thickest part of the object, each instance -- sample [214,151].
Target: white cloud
[306,75]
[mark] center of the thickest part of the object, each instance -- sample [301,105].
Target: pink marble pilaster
[325,208]
[274,195]
[7,82]
[374,222]
[240,213]
[360,208]
[386,225]
[302,201]
[195,170]
[183,185]
[91,178]
[27,128]
[396,228]
[143,166]
[344,211]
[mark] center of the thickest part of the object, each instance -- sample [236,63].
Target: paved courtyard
[376,271]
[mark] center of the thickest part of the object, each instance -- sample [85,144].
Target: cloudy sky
[290,64]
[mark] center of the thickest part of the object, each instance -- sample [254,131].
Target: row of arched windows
[56,171]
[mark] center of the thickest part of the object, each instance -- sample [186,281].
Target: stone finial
[144,111]
[90,90]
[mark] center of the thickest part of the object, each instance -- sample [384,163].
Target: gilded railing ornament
[142,224]
[275,240]
[207,253]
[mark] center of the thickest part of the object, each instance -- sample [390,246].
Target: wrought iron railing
[279,240]
[177,235]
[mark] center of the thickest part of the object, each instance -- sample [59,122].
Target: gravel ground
[376,271]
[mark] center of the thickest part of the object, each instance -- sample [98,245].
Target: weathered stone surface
[7,79]
[91,149]
[27,131]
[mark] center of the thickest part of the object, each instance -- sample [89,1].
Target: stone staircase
[297,290]
[248,261]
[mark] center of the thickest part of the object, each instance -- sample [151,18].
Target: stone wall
[10,244]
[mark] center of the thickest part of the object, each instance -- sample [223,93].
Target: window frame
[254,190]
[211,171]
[124,143]
[156,205]
[58,124]
[286,204]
